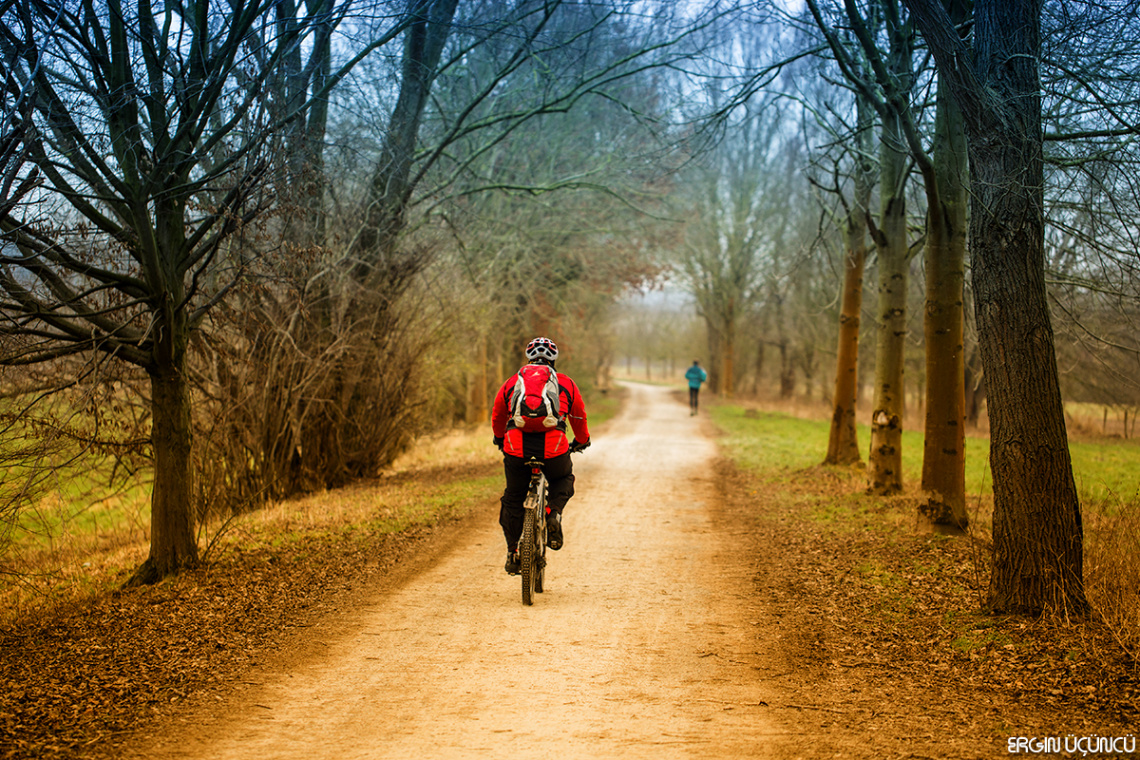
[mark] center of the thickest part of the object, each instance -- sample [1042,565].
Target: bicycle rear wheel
[540,545]
[528,554]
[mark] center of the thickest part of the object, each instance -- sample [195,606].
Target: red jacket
[555,443]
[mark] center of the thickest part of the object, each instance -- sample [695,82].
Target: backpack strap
[553,395]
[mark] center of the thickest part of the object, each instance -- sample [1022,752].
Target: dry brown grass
[1112,569]
[1111,524]
[87,662]
[78,566]
[882,625]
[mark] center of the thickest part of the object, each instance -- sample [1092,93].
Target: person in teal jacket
[695,375]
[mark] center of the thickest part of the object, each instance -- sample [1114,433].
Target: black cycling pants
[559,476]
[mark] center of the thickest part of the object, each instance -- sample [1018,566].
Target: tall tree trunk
[787,371]
[478,390]
[728,357]
[173,545]
[944,441]
[758,365]
[1038,553]
[884,465]
[715,359]
[975,393]
[807,365]
[842,442]
[302,182]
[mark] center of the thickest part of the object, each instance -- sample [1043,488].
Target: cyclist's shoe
[554,531]
[514,564]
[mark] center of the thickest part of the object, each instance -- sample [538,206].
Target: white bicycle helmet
[541,348]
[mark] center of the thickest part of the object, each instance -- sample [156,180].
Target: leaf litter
[884,650]
[77,679]
[887,651]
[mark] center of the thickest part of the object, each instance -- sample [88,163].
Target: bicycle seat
[534,462]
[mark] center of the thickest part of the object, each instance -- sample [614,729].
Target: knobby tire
[540,545]
[528,556]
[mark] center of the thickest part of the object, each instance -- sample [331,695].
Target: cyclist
[550,446]
[695,375]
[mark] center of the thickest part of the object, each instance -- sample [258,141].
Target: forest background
[254,252]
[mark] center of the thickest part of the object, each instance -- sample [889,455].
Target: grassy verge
[77,541]
[603,406]
[1105,471]
[771,445]
[86,662]
[884,595]
[69,560]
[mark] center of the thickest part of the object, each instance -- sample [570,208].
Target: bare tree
[944,439]
[446,137]
[886,80]
[842,443]
[1090,84]
[722,255]
[737,252]
[1038,548]
[154,143]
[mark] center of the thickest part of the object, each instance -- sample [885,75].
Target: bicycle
[532,543]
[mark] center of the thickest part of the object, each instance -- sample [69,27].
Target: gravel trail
[646,644]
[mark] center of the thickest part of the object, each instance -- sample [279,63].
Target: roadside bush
[308,384]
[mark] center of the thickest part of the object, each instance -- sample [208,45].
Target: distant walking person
[695,375]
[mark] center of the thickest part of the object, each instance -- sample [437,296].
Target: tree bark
[172,541]
[478,398]
[884,465]
[1038,551]
[391,185]
[787,370]
[843,443]
[758,365]
[944,440]
[716,361]
[728,355]
[975,385]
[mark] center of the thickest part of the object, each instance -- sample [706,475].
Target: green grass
[773,442]
[602,407]
[767,441]
[74,500]
[81,509]
[438,504]
[971,641]
[82,495]
[1107,472]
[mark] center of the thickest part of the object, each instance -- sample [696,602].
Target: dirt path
[644,645]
